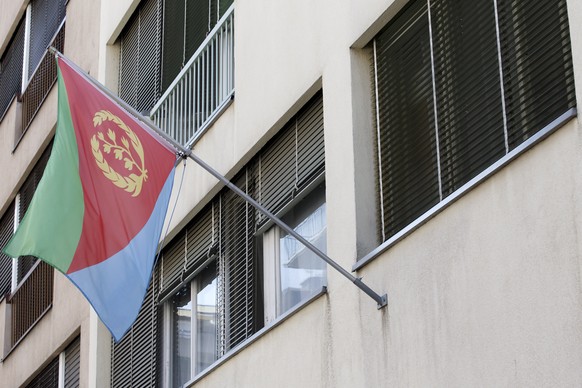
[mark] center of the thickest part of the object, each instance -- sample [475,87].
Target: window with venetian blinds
[457,86]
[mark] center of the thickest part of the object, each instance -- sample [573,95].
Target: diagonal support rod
[381,300]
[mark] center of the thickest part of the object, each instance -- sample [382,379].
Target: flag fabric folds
[99,208]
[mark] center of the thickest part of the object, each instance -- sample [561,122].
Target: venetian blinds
[134,359]
[11,69]
[293,159]
[186,255]
[45,20]
[224,231]
[239,277]
[72,364]
[6,232]
[457,87]
[48,377]
[191,21]
[223,234]
[27,190]
[139,68]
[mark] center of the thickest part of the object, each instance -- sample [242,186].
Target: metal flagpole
[381,300]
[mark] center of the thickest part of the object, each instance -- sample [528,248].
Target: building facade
[430,147]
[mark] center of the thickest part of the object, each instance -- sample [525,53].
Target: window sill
[494,168]
[249,341]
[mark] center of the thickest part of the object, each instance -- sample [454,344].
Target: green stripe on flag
[51,227]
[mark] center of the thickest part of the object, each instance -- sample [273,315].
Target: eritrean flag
[99,209]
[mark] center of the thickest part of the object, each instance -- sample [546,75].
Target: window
[292,273]
[181,334]
[47,28]
[458,86]
[139,66]
[11,69]
[62,371]
[153,52]
[181,40]
[6,232]
[26,193]
[46,17]
[193,309]
[72,363]
[136,359]
[48,377]
[29,281]
[206,294]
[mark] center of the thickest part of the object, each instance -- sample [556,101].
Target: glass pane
[206,319]
[182,335]
[302,272]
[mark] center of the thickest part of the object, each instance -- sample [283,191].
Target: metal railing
[204,87]
[41,81]
[31,300]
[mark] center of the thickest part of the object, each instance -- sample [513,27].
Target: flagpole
[381,300]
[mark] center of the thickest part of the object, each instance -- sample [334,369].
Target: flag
[99,208]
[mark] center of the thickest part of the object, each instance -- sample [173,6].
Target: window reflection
[206,319]
[303,273]
[182,335]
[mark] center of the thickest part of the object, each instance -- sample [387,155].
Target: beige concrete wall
[487,293]
[30,147]
[10,15]
[114,16]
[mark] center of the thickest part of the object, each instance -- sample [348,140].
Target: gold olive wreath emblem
[133,157]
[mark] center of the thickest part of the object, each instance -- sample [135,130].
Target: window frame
[195,285]
[554,119]
[206,238]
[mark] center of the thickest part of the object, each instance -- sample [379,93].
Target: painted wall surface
[487,293]
[10,15]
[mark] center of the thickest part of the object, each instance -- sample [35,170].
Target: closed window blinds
[135,359]
[224,233]
[11,69]
[156,43]
[6,232]
[139,68]
[46,18]
[458,85]
[25,263]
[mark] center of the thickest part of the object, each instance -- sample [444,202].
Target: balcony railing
[31,300]
[204,87]
[41,82]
